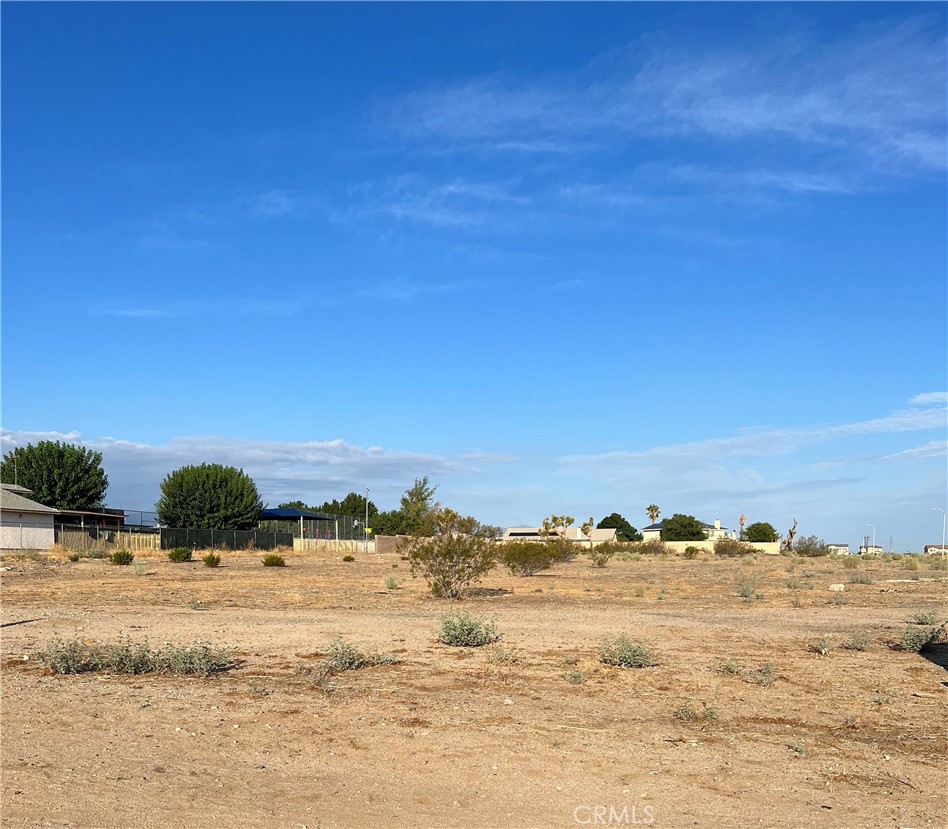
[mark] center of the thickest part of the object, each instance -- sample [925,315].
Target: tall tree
[417,505]
[209,496]
[683,528]
[61,475]
[760,532]
[653,512]
[624,530]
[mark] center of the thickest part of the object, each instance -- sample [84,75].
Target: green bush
[179,554]
[937,563]
[652,547]
[691,552]
[916,639]
[211,560]
[730,547]
[809,546]
[74,557]
[925,618]
[850,562]
[624,653]
[274,560]
[601,553]
[457,554]
[121,557]
[74,656]
[909,563]
[345,657]
[764,676]
[859,641]
[860,578]
[461,630]
[348,558]
[527,558]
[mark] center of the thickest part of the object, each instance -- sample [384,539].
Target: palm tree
[653,512]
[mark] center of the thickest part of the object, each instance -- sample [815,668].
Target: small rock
[508,701]
[837,588]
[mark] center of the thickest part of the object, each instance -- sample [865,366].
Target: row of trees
[214,496]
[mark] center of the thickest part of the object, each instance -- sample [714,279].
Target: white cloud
[283,470]
[932,398]
[880,92]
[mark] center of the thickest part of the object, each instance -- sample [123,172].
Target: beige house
[839,549]
[24,524]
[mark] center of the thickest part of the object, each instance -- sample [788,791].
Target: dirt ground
[539,734]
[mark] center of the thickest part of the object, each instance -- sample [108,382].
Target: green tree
[683,528]
[209,496]
[417,505]
[60,475]
[761,532]
[653,512]
[625,531]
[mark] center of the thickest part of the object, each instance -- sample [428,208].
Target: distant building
[871,550]
[935,549]
[712,532]
[594,538]
[839,549]
[25,524]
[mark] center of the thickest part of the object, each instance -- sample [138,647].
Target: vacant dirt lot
[537,735]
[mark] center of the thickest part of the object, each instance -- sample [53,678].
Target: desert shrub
[274,560]
[575,676]
[859,641]
[527,558]
[909,563]
[691,551]
[96,553]
[925,618]
[821,646]
[121,557]
[461,630]
[139,569]
[179,554]
[624,653]
[793,584]
[731,667]
[809,546]
[860,578]
[74,557]
[211,560]
[601,553]
[652,547]
[916,639]
[348,558]
[391,583]
[937,563]
[457,554]
[732,547]
[74,656]
[850,562]
[838,600]
[796,601]
[345,657]
[689,713]
[765,675]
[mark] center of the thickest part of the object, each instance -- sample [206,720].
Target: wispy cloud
[879,92]
[177,309]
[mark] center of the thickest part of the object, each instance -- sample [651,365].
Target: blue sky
[559,258]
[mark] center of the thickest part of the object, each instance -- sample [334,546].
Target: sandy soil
[458,738]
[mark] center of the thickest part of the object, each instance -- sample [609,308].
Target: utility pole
[365,527]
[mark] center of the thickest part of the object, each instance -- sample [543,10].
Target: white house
[24,524]
[712,532]
[839,549]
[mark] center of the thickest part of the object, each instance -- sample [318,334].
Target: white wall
[26,531]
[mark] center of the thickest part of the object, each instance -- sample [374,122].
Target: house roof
[11,500]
